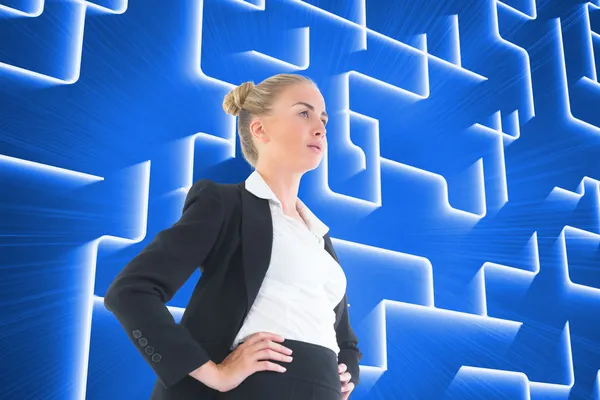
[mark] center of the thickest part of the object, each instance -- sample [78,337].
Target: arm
[348,342]
[138,295]
[346,338]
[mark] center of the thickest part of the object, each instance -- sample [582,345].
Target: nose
[320,131]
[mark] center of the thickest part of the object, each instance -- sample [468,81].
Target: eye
[305,112]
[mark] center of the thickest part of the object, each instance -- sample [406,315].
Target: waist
[312,363]
[324,338]
[298,324]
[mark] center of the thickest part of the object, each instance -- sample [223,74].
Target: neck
[284,184]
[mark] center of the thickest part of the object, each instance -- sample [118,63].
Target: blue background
[460,185]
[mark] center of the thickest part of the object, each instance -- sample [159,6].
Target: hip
[312,375]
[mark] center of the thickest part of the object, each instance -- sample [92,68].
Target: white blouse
[303,284]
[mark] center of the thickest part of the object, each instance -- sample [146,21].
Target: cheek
[291,138]
[295,136]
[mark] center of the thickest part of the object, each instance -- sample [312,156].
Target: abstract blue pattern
[461,184]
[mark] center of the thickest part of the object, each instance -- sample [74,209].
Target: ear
[257,128]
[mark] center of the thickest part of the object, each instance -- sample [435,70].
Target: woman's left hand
[347,386]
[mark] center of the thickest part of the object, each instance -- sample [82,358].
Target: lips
[315,145]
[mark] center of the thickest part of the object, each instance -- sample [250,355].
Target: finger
[345,377]
[268,366]
[280,348]
[348,387]
[342,368]
[268,344]
[270,354]
[260,336]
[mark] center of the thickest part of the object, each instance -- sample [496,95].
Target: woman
[259,322]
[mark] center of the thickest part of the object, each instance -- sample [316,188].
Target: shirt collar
[256,185]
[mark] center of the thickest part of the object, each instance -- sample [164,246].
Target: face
[297,123]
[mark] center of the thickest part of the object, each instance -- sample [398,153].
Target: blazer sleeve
[138,295]
[347,340]
[348,343]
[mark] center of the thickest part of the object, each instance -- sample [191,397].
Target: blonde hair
[247,101]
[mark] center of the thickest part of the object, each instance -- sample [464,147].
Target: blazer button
[143,341]
[149,350]
[137,334]
[156,357]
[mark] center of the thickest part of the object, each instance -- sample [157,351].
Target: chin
[313,165]
[307,164]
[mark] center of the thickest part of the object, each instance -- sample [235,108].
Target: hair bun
[234,100]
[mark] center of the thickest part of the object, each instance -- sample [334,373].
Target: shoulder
[212,187]
[202,189]
[228,194]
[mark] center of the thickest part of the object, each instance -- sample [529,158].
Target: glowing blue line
[439,179]
[529,113]
[399,257]
[38,8]
[563,70]
[590,43]
[570,230]
[260,6]
[456,59]
[120,8]
[488,373]
[304,48]
[598,385]
[531,17]
[361,24]
[48,169]
[516,273]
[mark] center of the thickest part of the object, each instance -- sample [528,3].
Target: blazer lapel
[257,241]
[329,247]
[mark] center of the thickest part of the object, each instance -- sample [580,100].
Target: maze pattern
[461,183]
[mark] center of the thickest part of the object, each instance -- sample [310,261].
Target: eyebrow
[311,107]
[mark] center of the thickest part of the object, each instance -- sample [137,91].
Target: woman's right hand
[252,356]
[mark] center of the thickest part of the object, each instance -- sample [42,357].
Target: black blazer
[227,232]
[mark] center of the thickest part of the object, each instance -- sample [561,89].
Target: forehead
[305,92]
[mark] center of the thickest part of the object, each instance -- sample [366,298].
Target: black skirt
[312,375]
